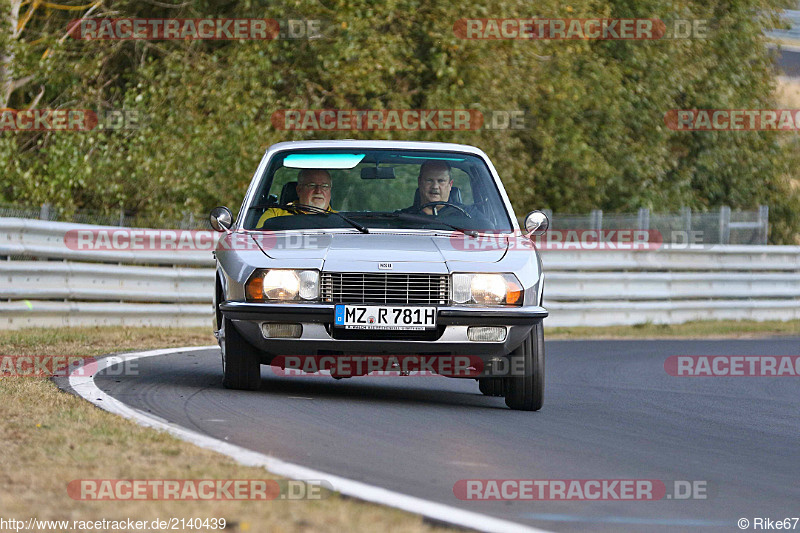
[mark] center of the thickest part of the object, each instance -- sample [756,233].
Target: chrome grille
[384,288]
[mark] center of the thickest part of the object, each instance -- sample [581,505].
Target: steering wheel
[429,204]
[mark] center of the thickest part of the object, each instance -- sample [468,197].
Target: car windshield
[377,189]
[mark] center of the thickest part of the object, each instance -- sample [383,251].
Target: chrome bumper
[317,338]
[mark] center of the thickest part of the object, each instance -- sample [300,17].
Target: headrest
[289,193]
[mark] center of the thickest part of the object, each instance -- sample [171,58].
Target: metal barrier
[793,32]
[724,226]
[45,283]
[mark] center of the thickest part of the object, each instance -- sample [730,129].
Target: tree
[595,135]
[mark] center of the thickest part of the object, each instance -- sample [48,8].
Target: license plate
[385,317]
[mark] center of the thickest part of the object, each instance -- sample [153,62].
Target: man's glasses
[310,186]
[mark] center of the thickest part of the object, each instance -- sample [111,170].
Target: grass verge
[49,438]
[787,93]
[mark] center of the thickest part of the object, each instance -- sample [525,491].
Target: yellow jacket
[280,212]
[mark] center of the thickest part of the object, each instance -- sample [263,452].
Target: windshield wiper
[420,218]
[315,210]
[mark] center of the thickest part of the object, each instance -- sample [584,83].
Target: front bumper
[317,338]
[323,313]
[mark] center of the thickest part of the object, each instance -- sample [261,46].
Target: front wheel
[240,365]
[525,389]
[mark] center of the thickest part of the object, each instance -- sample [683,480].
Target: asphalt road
[789,63]
[611,412]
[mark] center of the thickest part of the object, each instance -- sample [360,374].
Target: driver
[434,183]
[313,189]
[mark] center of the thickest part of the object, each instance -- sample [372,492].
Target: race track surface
[611,412]
[789,63]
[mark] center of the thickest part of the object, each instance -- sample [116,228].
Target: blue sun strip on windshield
[327,161]
[437,158]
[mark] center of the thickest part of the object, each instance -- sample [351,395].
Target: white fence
[45,283]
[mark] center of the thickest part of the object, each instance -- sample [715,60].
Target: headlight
[486,289]
[283,285]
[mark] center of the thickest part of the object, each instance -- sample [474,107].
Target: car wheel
[526,391]
[491,386]
[240,366]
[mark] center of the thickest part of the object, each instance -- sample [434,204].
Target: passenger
[313,189]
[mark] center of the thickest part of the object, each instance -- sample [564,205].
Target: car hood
[341,248]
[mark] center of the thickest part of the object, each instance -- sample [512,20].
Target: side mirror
[221,219]
[536,223]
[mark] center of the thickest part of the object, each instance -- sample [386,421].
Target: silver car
[381,248]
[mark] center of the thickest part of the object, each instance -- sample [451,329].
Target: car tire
[241,369]
[491,386]
[526,392]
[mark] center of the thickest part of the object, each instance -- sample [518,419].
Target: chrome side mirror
[536,223]
[221,219]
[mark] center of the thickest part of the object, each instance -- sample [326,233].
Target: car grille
[380,288]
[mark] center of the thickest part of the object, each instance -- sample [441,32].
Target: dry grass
[788,94]
[49,438]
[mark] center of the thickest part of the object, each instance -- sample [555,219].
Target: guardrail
[45,283]
[793,32]
[672,285]
[723,226]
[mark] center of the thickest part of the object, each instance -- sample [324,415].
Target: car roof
[382,144]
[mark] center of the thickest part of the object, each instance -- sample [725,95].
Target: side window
[486,203]
[282,176]
[344,187]
[462,181]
